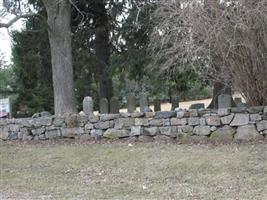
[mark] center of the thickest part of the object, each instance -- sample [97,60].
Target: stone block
[193,121]
[116,134]
[136,131]
[150,114]
[42,121]
[38,131]
[124,123]
[178,122]
[239,110]
[151,131]
[166,122]
[193,113]
[4,133]
[255,117]
[248,133]
[71,132]
[227,119]
[52,133]
[223,111]
[180,114]
[59,121]
[156,122]
[96,134]
[201,130]
[137,114]
[102,125]
[165,114]
[141,122]
[255,109]
[170,131]
[262,125]
[213,120]
[202,121]
[108,117]
[224,134]
[187,129]
[240,120]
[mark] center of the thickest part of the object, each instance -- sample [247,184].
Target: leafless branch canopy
[223,40]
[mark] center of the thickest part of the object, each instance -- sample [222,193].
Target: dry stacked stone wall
[222,125]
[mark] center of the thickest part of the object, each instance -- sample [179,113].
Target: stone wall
[224,125]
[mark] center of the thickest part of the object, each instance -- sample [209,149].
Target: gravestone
[239,103]
[157,106]
[103,106]
[197,106]
[114,105]
[175,102]
[88,105]
[143,102]
[224,101]
[238,100]
[131,104]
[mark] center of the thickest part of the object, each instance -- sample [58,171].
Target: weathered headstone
[103,106]
[157,106]
[131,104]
[238,100]
[143,102]
[224,101]
[114,105]
[88,105]
[197,106]
[175,102]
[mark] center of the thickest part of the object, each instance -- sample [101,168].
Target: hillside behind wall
[223,125]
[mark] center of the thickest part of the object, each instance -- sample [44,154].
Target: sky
[5,39]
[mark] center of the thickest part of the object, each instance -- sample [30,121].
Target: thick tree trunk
[59,16]
[218,89]
[102,47]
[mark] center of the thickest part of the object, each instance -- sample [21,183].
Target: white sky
[5,39]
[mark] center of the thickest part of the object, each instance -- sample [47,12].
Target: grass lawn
[141,171]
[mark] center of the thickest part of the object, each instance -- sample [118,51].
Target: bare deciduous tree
[225,41]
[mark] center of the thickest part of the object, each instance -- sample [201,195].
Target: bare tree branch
[15,19]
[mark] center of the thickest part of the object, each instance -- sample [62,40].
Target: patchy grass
[141,171]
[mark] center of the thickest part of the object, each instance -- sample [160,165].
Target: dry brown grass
[141,171]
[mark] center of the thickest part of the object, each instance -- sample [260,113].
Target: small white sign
[4,107]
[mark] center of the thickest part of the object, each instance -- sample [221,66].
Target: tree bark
[59,16]
[102,47]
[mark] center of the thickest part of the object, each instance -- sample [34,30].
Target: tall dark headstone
[143,102]
[114,105]
[157,106]
[103,106]
[175,102]
[131,103]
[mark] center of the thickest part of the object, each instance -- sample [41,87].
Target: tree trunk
[59,16]
[218,89]
[102,47]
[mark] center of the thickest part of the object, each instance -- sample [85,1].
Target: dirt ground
[133,171]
